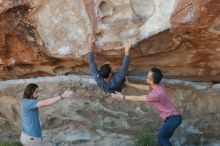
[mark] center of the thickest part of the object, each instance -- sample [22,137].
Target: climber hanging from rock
[107,80]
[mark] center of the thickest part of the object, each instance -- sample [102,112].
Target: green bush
[145,138]
[7,143]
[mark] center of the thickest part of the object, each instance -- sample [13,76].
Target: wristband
[124,97]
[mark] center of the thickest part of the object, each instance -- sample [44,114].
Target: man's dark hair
[105,70]
[156,75]
[29,91]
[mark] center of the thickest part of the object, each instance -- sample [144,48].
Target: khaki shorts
[27,140]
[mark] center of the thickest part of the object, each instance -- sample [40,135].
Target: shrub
[7,143]
[145,138]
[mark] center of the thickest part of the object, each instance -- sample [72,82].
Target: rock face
[198,25]
[47,38]
[93,118]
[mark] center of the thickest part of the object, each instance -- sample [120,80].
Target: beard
[35,98]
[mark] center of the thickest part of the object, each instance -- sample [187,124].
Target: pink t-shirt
[161,101]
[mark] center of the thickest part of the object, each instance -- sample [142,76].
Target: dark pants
[166,131]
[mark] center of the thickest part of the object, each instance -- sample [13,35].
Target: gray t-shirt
[30,117]
[117,80]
